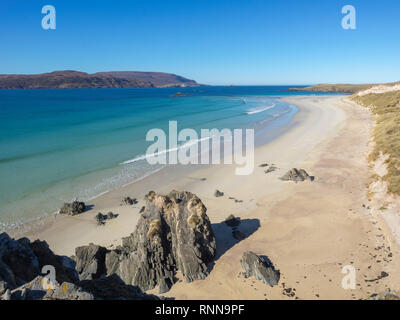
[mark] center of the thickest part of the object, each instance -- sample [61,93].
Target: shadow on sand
[224,237]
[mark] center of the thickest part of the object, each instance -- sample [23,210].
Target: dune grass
[386,132]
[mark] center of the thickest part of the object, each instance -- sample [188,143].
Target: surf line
[189,153]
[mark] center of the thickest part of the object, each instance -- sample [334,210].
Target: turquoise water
[57,145]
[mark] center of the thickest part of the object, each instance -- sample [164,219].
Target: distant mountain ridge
[70,79]
[340,87]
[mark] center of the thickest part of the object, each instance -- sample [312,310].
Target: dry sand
[309,230]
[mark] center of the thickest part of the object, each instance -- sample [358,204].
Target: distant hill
[75,79]
[344,88]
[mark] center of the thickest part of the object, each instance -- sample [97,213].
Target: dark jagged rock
[90,261]
[232,221]
[21,263]
[297,175]
[260,267]
[68,291]
[173,233]
[129,201]
[113,288]
[218,193]
[65,266]
[18,263]
[100,219]
[142,209]
[111,215]
[73,208]
[33,290]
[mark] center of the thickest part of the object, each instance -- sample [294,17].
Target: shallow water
[57,145]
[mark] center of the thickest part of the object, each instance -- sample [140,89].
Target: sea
[57,145]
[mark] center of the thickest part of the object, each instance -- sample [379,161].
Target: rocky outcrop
[101,219]
[173,233]
[90,261]
[73,208]
[18,263]
[232,221]
[260,267]
[68,291]
[297,175]
[64,266]
[21,263]
[129,201]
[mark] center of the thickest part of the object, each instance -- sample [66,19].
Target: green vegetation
[344,88]
[386,132]
[339,87]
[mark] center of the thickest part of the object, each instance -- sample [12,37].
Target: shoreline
[309,230]
[40,224]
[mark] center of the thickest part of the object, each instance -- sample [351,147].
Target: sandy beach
[309,230]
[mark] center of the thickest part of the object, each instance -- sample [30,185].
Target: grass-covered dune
[386,132]
[344,88]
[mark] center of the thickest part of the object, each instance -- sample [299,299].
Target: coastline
[309,230]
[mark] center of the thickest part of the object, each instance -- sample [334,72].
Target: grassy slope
[345,88]
[386,133]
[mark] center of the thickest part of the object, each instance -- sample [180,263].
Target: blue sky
[212,41]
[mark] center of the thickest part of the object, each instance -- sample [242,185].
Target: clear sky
[211,41]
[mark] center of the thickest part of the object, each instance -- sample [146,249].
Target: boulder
[232,221]
[129,201]
[111,215]
[64,266]
[18,263]
[297,175]
[173,233]
[260,267]
[33,290]
[73,208]
[113,288]
[68,291]
[21,263]
[101,219]
[90,261]
[218,194]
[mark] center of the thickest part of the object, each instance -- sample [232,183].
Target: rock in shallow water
[260,267]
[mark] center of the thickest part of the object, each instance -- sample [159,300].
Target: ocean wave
[146,156]
[258,110]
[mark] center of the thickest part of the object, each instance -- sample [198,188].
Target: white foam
[258,110]
[146,156]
